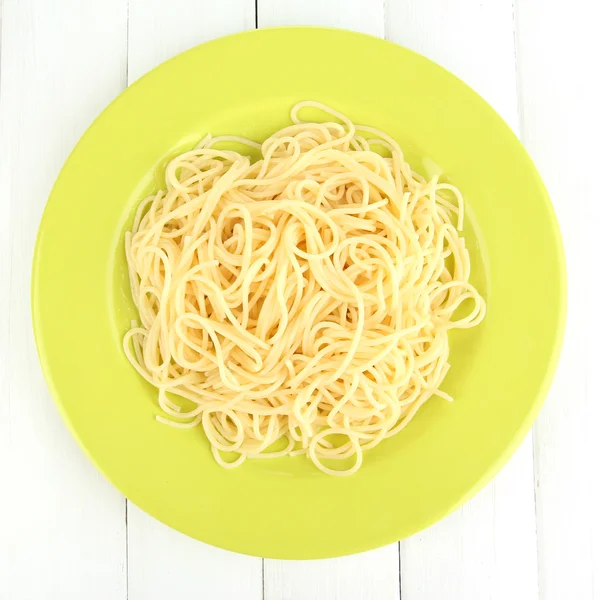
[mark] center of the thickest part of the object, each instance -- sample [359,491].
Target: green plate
[285,508]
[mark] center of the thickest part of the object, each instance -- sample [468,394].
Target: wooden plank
[366,16]
[162,562]
[159,30]
[62,525]
[368,576]
[558,48]
[487,549]
[166,564]
[372,574]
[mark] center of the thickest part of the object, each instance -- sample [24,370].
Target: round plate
[285,508]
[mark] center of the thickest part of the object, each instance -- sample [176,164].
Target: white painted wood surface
[65,533]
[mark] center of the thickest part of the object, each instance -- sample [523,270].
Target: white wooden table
[534,532]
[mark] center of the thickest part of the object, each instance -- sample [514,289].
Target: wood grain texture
[558,48]
[62,526]
[487,549]
[366,16]
[372,575]
[367,576]
[162,562]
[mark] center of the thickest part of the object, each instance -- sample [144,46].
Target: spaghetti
[299,304]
